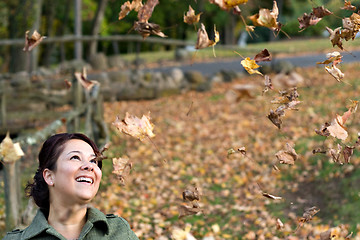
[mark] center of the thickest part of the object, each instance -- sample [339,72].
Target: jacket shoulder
[120,225]
[13,235]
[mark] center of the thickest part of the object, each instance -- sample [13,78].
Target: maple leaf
[33,41]
[335,72]
[308,20]
[122,168]
[275,118]
[189,195]
[348,6]
[10,152]
[262,56]
[267,18]
[203,40]
[128,7]
[250,66]
[287,156]
[336,128]
[186,210]
[190,17]
[335,153]
[335,37]
[135,127]
[82,78]
[321,12]
[146,11]
[347,153]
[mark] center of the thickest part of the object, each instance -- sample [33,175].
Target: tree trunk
[99,16]
[12,198]
[229,38]
[20,20]
[78,30]
[62,29]
[34,59]
[49,48]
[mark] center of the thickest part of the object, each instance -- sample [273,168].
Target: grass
[296,46]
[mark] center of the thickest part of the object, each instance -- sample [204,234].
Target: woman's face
[77,176]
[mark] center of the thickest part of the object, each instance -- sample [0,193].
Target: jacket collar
[40,224]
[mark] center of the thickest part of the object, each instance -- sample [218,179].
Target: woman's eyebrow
[73,152]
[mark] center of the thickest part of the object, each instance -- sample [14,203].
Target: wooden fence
[86,112]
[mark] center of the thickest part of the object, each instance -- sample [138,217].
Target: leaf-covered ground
[194,132]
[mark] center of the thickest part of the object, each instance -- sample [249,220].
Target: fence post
[3,105]
[12,198]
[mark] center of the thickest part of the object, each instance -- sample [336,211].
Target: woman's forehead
[77,145]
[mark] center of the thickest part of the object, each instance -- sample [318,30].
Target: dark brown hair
[48,157]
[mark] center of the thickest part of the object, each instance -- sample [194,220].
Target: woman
[67,179]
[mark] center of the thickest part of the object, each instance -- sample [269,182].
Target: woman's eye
[75,157]
[93,161]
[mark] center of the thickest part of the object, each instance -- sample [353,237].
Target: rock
[116,61]
[98,61]
[177,75]
[182,54]
[20,80]
[195,77]
[102,78]
[75,65]
[228,76]
[119,76]
[240,91]
[282,67]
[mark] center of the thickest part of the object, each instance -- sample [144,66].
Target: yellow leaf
[250,66]
[9,151]
[233,3]
[190,17]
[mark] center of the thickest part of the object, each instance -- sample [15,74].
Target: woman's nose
[87,166]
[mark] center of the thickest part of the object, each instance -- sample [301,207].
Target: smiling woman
[67,179]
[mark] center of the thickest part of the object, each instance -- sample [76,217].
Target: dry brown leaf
[203,40]
[186,210]
[227,4]
[323,131]
[308,20]
[287,156]
[275,118]
[145,29]
[326,235]
[321,12]
[267,83]
[335,153]
[82,78]
[262,56]
[335,37]
[279,224]
[128,7]
[190,17]
[189,195]
[122,168]
[348,6]
[267,18]
[347,153]
[33,41]
[271,196]
[309,214]
[335,72]
[337,128]
[135,127]
[334,58]
[10,152]
[146,11]
[250,66]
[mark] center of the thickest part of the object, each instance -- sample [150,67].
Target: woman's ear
[48,176]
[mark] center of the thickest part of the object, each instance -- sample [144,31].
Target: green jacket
[97,226]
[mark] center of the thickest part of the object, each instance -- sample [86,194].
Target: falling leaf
[189,195]
[347,153]
[271,196]
[335,72]
[179,234]
[227,4]
[349,236]
[353,106]
[32,42]
[128,7]
[122,167]
[262,56]
[335,153]
[267,18]
[335,37]
[250,66]
[203,40]
[308,20]
[348,6]
[321,12]
[309,214]
[267,83]
[135,127]
[186,210]
[334,58]
[10,152]
[190,17]
[145,29]
[146,11]
[323,131]
[337,129]
[275,118]
[67,83]
[82,78]
[287,156]
[318,150]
